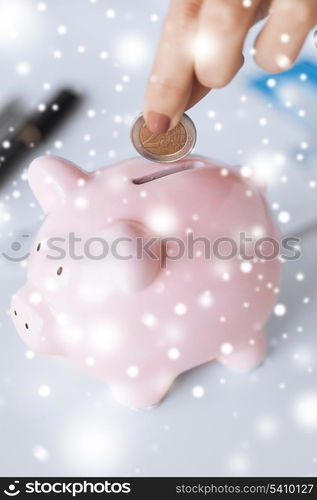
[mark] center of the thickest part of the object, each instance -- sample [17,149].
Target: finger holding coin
[169,147]
[201,48]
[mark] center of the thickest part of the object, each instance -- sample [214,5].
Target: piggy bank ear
[51,179]
[134,258]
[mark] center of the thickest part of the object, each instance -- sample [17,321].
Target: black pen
[35,128]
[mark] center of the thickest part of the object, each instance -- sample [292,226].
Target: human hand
[201,48]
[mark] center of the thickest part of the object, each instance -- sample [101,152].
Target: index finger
[171,79]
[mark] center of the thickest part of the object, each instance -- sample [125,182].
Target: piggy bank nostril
[59,271]
[26,326]
[38,247]
[15,313]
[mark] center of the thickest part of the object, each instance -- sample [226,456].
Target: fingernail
[157,122]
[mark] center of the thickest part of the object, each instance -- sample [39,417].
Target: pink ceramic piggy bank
[121,280]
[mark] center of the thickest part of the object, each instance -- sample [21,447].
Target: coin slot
[169,171]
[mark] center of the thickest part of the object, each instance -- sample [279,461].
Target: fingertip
[273,63]
[157,123]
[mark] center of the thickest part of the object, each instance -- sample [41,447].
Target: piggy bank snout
[30,315]
[25,316]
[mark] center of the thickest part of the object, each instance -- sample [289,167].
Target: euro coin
[169,147]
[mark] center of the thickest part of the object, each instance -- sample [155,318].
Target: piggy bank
[137,273]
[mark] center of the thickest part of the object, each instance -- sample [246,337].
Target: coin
[164,148]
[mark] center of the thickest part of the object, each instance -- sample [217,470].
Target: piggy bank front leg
[246,358]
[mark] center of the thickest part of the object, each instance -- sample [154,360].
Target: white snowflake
[44,390]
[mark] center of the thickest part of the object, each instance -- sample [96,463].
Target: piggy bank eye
[38,247]
[59,271]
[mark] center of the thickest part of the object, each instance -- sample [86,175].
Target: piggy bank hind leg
[140,394]
[248,357]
